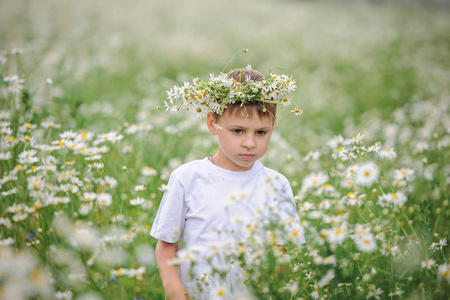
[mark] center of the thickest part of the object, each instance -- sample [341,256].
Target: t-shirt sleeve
[170,218]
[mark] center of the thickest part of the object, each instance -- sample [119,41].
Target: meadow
[86,153]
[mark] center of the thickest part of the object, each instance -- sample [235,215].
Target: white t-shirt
[206,206]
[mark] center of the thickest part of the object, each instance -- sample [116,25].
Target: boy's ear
[210,122]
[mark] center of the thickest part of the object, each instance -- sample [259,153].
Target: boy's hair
[263,109]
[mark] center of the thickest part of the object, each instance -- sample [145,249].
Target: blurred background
[101,68]
[111,61]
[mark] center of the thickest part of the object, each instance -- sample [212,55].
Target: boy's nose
[249,142]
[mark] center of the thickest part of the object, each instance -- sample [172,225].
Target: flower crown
[213,95]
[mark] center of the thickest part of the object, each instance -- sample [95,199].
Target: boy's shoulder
[191,167]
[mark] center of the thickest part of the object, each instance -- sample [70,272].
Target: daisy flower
[137,202]
[297,111]
[366,242]
[104,199]
[367,174]
[337,234]
[148,171]
[139,188]
[404,173]
[387,154]
[314,180]
[356,139]
[428,264]
[444,272]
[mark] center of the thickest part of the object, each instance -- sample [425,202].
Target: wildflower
[375,293]
[104,199]
[85,208]
[353,198]
[15,208]
[291,286]
[35,182]
[15,88]
[137,202]
[429,263]
[174,163]
[312,155]
[111,182]
[396,293]
[27,127]
[330,260]
[336,234]
[89,196]
[66,295]
[139,188]
[84,136]
[421,147]
[49,124]
[444,272]
[328,190]
[314,180]
[83,236]
[327,278]
[57,200]
[389,250]
[344,284]
[19,217]
[351,171]
[5,155]
[356,139]
[119,272]
[387,154]
[315,294]
[11,78]
[163,188]
[347,183]
[27,157]
[136,273]
[404,173]
[296,111]
[398,198]
[220,292]
[131,129]
[340,152]
[306,206]
[367,174]
[7,242]
[5,222]
[9,192]
[98,166]
[336,142]
[149,171]
[308,275]
[438,246]
[366,242]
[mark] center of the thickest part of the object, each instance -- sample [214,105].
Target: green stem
[243,50]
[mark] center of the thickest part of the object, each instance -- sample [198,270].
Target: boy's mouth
[247,156]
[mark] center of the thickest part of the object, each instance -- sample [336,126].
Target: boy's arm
[171,281]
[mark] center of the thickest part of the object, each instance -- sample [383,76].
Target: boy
[196,209]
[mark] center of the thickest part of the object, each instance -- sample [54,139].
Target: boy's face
[242,140]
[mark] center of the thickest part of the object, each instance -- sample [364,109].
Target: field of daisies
[85,153]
